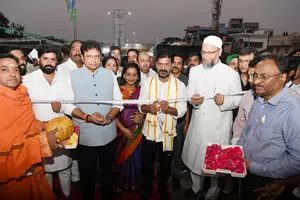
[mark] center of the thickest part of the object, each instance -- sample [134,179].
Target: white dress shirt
[67,66]
[40,89]
[145,76]
[162,90]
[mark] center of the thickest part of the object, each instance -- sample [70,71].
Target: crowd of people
[183,104]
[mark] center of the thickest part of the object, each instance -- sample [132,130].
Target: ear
[291,73]
[220,52]
[283,77]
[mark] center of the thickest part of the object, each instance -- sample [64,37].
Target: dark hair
[282,62]
[127,66]
[74,41]
[105,59]
[294,52]
[165,53]
[294,62]
[254,62]
[247,51]
[46,48]
[65,49]
[195,54]
[179,55]
[9,56]
[9,49]
[90,44]
[136,51]
[114,48]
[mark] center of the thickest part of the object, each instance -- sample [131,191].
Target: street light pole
[119,26]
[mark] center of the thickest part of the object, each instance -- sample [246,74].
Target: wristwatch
[110,118]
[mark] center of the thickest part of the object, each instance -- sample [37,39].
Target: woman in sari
[127,166]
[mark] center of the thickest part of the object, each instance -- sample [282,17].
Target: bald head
[144,62]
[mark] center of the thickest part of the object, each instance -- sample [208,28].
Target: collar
[89,72]
[289,84]
[17,94]
[275,99]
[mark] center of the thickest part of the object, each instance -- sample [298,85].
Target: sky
[151,20]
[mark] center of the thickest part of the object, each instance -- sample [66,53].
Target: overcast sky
[150,18]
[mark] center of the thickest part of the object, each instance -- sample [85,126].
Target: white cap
[213,40]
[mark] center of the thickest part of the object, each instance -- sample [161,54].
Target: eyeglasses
[208,52]
[90,57]
[264,77]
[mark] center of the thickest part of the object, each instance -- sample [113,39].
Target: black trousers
[148,157]
[88,157]
[252,182]
[178,147]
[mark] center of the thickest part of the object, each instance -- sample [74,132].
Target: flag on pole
[72,9]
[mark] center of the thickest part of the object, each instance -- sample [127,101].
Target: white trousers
[64,179]
[75,171]
[198,182]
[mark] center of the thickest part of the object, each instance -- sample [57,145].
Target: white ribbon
[121,102]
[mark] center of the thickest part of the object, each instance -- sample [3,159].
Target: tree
[4,21]
[6,24]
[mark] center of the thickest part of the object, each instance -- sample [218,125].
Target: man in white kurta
[75,61]
[46,84]
[209,86]
[159,128]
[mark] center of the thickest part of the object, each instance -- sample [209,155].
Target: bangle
[110,118]
[85,118]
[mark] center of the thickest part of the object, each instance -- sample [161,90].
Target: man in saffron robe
[22,144]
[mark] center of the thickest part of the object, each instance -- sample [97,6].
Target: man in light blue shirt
[271,136]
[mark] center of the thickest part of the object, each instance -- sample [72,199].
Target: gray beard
[208,65]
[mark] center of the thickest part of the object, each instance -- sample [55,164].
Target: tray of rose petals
[226,159]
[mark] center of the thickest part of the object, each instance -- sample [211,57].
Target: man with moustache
[211,120]
[23,144]
[193,60]
[47,84]
[271,137]
[75,61]
[132,55]
[144,65]
[181,127]
[159,128]
[18,53]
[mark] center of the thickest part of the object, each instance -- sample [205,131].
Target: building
[259,40]
[196,34]
[236,25]
[283,45]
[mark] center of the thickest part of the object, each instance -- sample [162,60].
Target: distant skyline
[149,20]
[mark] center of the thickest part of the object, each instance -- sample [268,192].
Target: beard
[208,65]
[48,69]
[23,69]
[163,73]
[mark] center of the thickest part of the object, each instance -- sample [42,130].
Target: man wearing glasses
[271,136]
[98,128]
[212,114]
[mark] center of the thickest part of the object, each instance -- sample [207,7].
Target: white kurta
[210,123]
[67,66]
[40,89]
